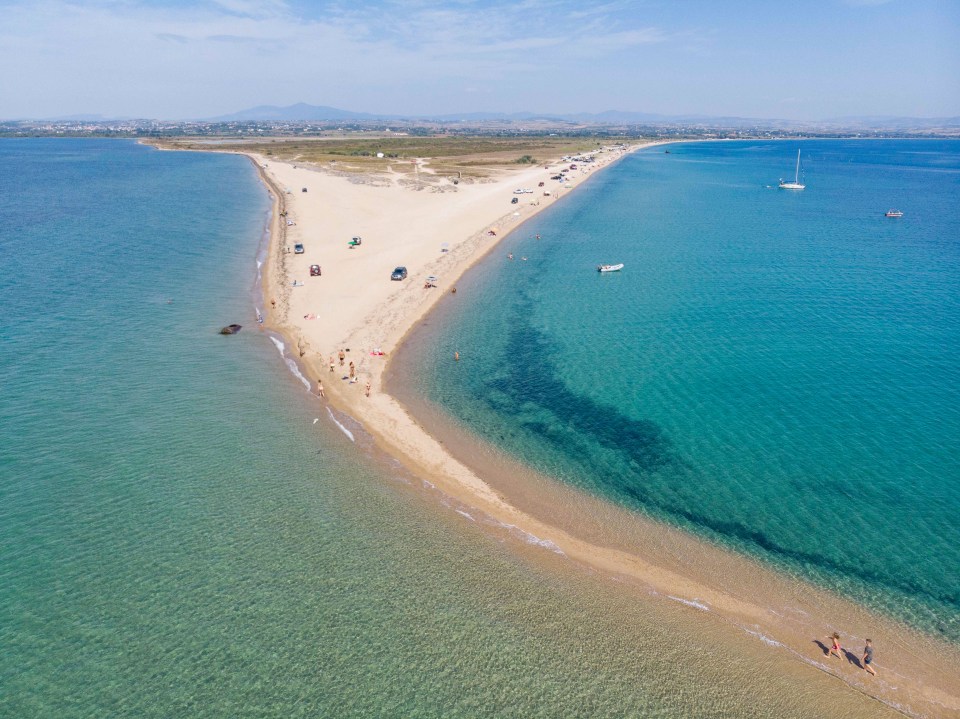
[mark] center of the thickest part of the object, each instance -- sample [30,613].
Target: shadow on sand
[848,655]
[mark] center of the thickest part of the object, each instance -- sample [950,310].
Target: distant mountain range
[302,112]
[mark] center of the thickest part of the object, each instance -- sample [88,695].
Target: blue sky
[192,59]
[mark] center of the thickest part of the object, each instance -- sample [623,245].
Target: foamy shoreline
[354,305]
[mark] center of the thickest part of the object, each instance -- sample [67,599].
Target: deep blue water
[776,371]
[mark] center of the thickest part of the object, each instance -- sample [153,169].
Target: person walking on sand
[331,363]
[320,387]
[368,388]
[353,370]
[868,658]
[341,358]
[835,647]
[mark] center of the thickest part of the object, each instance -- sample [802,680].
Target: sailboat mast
[796,175]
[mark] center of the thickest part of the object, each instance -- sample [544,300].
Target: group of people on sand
[353,376]
[867,658]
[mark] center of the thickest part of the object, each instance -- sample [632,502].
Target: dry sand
[404,218]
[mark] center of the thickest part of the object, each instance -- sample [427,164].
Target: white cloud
[141,58]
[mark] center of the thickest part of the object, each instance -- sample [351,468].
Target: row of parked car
[399,273]
[523,191]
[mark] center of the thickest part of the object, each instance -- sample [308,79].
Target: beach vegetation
[445,154]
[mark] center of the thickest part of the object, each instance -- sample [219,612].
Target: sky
[193,59]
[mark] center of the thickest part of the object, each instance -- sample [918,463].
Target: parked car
[400,273]
[314,270]
[298,249]
[514,201]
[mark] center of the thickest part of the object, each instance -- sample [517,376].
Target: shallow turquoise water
[179,539]
[776,371]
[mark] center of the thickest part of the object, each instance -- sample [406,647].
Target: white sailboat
[795,185]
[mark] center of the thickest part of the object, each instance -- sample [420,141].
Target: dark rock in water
[230,329]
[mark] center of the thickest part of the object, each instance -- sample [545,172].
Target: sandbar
[411,216]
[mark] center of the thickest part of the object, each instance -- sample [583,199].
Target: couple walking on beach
[866,659]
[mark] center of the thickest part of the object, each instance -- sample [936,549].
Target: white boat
[609,268]
[894,213]
[795,185]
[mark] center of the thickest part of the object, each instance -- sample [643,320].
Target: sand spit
[436,227]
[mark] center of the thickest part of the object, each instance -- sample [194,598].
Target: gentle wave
[690,603]
[342,428]
[530,538]
[291,365]
[763,638]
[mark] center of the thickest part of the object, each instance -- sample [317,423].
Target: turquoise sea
[186,532]
[775,371]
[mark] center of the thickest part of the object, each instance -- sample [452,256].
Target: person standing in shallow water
[835,647]
[320,387]
[868,658]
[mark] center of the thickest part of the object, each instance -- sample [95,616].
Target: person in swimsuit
[868,658]
[835,647]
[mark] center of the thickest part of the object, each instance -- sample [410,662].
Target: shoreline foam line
[355,309]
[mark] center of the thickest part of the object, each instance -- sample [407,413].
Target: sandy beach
[433,226]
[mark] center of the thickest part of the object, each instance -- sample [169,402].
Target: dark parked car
[314,270]
[298,249]
[400,273]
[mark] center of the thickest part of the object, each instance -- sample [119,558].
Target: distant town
[258,129]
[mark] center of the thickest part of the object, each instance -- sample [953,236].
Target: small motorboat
[230,329]
[609,268]
[894,213]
